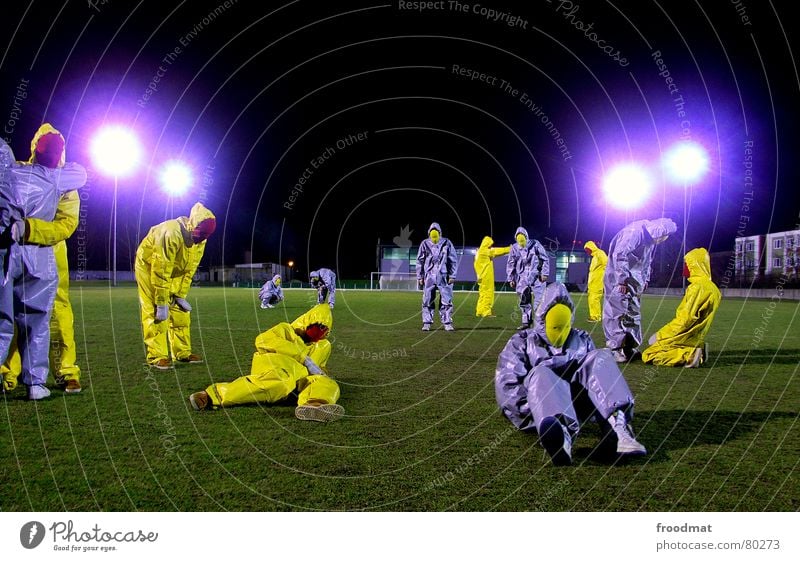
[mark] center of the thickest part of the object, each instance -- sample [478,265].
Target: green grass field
[422,430]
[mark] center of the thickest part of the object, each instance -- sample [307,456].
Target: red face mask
[49,149]
[316,332]
[204,230]
[588,251]
[686,272]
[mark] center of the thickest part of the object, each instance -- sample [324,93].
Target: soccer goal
[392,281]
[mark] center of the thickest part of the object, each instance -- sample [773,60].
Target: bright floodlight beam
[176,178]
[115,151]
[686,162]
[626,186]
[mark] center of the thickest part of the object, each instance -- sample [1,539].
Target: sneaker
[449,327]
[627,445]
[523,326]
[320,413]
[697,359]
[200,401]
[72,386]
[633,354]
[556,441]
[619,355]
[705,354]
[264,306]
[38,391]
[426,326]
[191,359]
[162,364]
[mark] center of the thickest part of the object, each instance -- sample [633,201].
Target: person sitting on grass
[271,293]
[551,378]
[289,358]
[682,342]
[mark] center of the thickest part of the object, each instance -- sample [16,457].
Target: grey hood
[435,226]
[660,227]
[555,293]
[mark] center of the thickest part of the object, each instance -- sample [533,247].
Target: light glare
[115,151]
[176,178]
[626,186]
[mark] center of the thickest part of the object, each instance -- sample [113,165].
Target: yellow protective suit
[166,261]
[484,271]
[277,369]
[597,268]
[677,341]
[63,356]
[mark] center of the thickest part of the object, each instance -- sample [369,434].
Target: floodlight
[115,151]
[686,162]
[626,186]
[176,177]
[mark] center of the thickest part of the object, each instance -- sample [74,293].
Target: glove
[653,339]
[450,280]
[621,288]
[512,284]
[330,304]
[311,366]
[182,304]
[420,282]
[543,278]
[18,230]
[162,313]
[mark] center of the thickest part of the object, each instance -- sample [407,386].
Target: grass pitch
[422,430]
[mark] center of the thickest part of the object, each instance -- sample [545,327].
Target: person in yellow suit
[63,356]
[166,261]
[484,271]
[682,341]
[289,358]
[597,269]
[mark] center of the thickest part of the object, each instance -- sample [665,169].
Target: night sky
[480,116]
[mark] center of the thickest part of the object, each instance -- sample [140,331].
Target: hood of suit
[591,246]
[555,293]
[699,263]
[321,314]
[660,228]
[486,242]
[46,128]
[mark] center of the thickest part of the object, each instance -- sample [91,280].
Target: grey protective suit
[271,293]
[524,268]
[436,265]
[30,276]
[325,284]
[630,256]
[534,380]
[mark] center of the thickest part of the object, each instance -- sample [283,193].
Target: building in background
[768,255]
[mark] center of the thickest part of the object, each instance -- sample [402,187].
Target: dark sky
[380,96]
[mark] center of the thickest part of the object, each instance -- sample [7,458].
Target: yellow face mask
[521,240]
[557,324]
[434,235]
[277,282]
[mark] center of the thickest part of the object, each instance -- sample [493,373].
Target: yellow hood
[321,314]
[198,214]
[591,246]
[699,264]
[47,128]
[487,242]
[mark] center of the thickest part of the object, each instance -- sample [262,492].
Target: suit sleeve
[544,260]
[63,225]
[167,244]
[70,177]
[283,340]
[182,284]
[452,260]
[622,251]
[498,251]
[422,255]
[511,266]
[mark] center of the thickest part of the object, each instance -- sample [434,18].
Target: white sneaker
[556,440]
[653,339]
[39,391]
[320,413]
[449,327]
[619,355]
[627,445]
[263,306]
[697,359]
[426,326]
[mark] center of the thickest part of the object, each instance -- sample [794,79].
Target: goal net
[392,281]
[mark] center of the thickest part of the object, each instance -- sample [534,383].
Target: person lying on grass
[289,358]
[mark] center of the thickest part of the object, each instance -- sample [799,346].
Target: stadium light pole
[686,162]
[115,151]
[176,178]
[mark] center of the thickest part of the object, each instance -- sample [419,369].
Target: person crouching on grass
[289,358]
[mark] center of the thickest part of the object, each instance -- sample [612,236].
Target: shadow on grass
[754,356]
[676,430]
